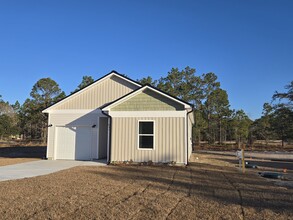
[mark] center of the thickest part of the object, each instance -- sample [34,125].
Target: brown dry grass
[207,189]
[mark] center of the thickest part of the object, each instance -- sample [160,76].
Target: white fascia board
[107,108]
[155,114]
[89,87]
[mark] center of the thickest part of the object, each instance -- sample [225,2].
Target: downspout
[109,136]
[187,142]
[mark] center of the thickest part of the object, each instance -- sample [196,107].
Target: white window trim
[154,132]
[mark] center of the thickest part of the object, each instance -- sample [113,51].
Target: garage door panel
[73,143]
[65,143]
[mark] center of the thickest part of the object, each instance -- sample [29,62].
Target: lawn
[207,189]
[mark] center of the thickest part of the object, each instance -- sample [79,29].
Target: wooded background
[215,122]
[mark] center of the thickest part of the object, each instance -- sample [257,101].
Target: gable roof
[135,92]
[112,73]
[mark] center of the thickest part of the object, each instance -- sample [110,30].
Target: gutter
[187,134]
[109,136]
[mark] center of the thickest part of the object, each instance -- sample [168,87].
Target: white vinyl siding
[169,140]
[98,95]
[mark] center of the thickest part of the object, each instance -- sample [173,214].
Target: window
[146,135]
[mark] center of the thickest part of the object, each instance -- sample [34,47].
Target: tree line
[215,121]
[27,120]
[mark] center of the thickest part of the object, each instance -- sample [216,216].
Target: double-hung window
[146,135]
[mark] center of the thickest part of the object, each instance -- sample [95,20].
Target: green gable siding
[148,101]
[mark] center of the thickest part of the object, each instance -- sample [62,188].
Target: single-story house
[121,120]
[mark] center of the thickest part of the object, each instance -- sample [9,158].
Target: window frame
[153,135]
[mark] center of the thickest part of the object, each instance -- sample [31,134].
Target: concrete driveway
[41,167]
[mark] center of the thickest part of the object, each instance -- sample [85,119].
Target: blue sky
[247,44]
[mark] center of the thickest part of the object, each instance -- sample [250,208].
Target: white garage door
[73,143]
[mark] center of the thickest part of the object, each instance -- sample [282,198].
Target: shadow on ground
[23,152]
[205,182]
